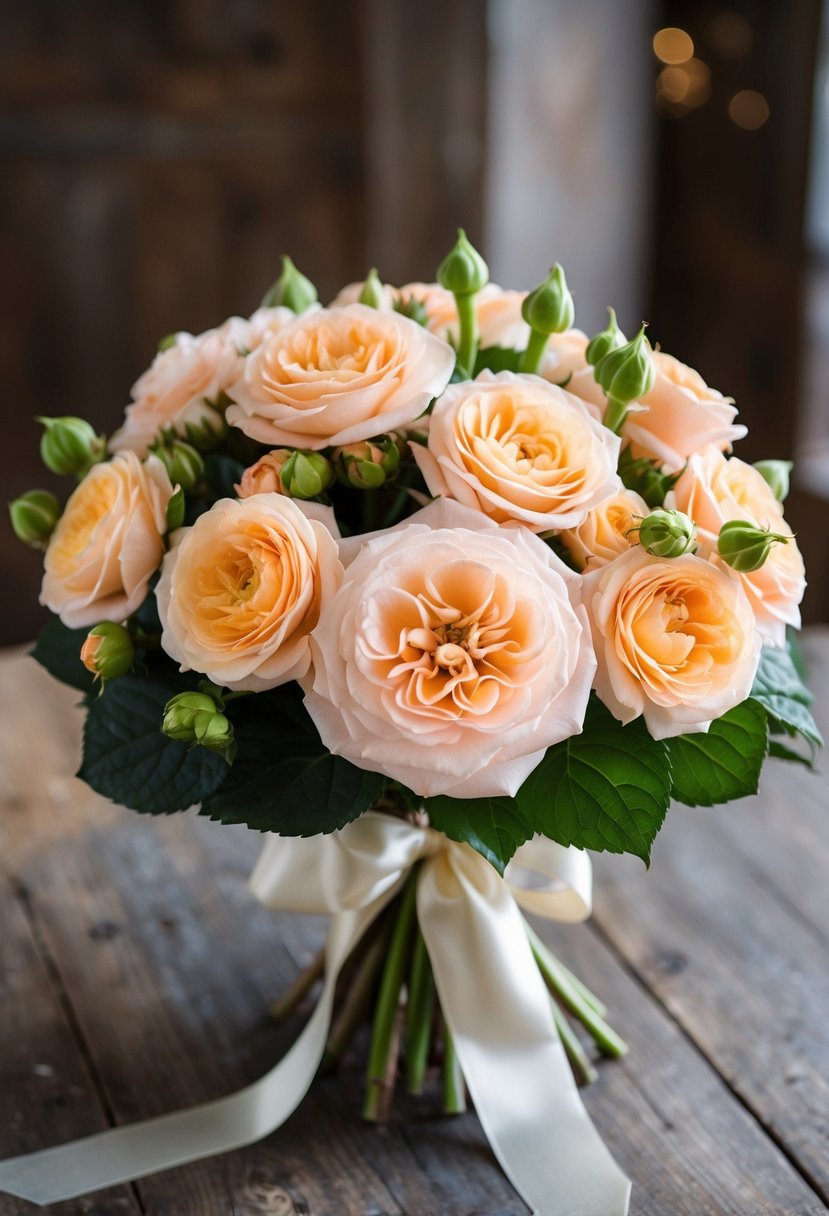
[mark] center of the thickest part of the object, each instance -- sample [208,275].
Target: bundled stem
[420,1013]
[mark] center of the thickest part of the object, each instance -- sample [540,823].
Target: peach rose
[498,310]
[675,639]
[518,448]
[335,376]
[565,363]
[241,590]
[108,542]
[682,415]
[263,477]
[454,654]
[607,530]
[713,489]
[183,385]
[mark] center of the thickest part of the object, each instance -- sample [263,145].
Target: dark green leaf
[779,688]
[605,789]
[284,780]
[723,764]
[58,649]
[128,759]
[493,826]
[781,751]
[498,359]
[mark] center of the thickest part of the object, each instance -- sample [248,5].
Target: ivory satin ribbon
[490,989]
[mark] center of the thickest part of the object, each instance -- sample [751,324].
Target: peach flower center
[83,514]
[348,353]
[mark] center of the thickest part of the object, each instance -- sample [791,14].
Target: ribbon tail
[498,1011]
[127,1153]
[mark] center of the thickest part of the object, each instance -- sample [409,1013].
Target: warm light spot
[748,109]
[672,45]
[731,34]
[681,88]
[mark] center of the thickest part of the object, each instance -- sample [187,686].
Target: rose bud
[547,310]
[602,343]
[33,517]
[182,462]
[306,475]
[70,446]
[291,290]
[108,651]
[463,271]
[625,374]
[372,291]
[744,546]
[776,474]
[195,718]
[176,506]
[667,534]
[367,465]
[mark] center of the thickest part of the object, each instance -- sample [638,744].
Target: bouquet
[439,592]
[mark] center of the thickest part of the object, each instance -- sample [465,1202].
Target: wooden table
[135,972]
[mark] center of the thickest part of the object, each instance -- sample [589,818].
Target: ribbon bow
[492,996]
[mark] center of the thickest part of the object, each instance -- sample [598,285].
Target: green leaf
[779,688]
[284,780]
[128,759]
[492,826]
[498,359]
[723,764]
[606,789]
[58,649]
[781,751]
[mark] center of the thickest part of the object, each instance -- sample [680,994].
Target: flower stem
[580,1062]
[382,1047]
[299,989]
[454,1087]
[607,1040]
[357,999]
[615,414]
[589,997]
[468,339]
[419,1015]
[531,357]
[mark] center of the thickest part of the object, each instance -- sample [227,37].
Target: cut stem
[454,1086]
[419,1015]
[296,993]
[388,998]
[607,1040]
[580,1061]
[468,338]
[590,997]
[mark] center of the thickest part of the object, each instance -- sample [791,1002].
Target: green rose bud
[776,473]
[368,465]
[291,290]
[602,343]
[372,293]
[745,546]
[183,463]
[667,534]
[548,309]
[207,434]
[69,446]
[414,309]
[196,718]
[625,374]
[463,271]
[168,341]
[33,517]
[176,505]
[306,475]
[108,651]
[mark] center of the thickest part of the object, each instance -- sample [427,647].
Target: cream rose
[335,376]
[452,656]
[682,415]
[518,448]
[108,542]
[606,531]
[675,640]
[241,590]
[183,385]
[712,490]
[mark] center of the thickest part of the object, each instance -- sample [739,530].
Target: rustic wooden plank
[729,930]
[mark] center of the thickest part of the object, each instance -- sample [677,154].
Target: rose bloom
[682,416]
[241,590]
[454,654]
[498,310]
[518,448]
[675,639]
[565,363]
[335,376]
[607,530]
[182,386]
[264,476]
[712,490]
[108,542]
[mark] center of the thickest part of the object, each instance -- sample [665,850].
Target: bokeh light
[748,109]
[673,45]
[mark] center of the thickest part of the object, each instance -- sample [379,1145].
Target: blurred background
[158,157]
